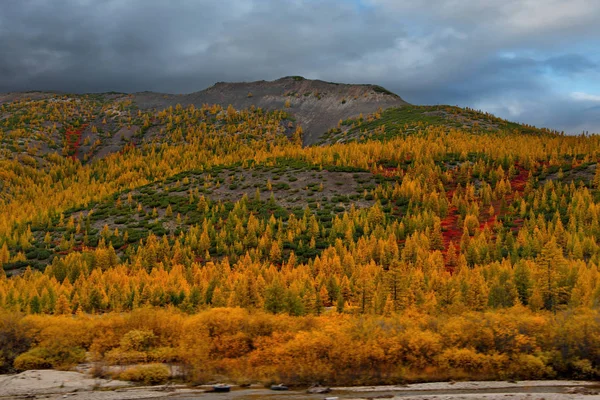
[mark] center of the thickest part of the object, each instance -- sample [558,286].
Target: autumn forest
[408,244]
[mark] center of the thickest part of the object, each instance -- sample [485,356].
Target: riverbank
[51,385]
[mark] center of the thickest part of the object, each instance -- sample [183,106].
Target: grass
[409,119]
[379,89]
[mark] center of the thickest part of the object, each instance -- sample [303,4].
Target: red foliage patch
[518,182]
[453,233]
[450,231]
[73,140]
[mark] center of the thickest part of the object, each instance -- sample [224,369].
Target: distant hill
[409,119]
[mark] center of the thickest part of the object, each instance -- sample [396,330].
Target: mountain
[316,105]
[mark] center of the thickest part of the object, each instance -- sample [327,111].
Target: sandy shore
[48,384]
[548,390]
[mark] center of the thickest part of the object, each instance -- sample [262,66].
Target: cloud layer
[534,61]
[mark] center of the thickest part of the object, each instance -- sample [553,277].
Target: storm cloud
[533,61]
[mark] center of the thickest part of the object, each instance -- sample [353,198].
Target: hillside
[92,126]
[408,243]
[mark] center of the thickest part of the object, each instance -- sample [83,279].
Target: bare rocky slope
[316,105]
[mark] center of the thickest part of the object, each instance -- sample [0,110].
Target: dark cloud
[491,55]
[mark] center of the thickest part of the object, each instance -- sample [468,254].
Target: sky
[531,61]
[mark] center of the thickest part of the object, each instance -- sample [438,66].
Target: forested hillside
[412,243]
